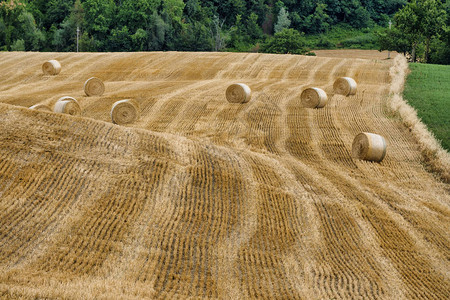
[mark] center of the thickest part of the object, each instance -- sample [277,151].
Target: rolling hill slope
[206,199]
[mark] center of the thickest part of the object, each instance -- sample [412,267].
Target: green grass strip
[428,91]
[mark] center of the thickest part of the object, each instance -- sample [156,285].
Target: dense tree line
[421,30]
[191,25]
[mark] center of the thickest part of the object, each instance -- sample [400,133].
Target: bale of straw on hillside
[238,93]
[41,107]
[125,111]
[51,67]
[67,105]
[345,86]
[94,87]
[369,146]
[314,98]
[69,99]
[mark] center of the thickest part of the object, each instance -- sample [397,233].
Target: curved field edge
[435,157]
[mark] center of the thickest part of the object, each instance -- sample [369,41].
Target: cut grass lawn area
[428,91]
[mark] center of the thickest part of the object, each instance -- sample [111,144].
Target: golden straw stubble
[67,105]
[51,67]
[125,111]
[345,86]
[238,93]
[94,87]
[41,107]
[369,146]
[313,98]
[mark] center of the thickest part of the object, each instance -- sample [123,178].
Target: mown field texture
[206,199]
[428,90]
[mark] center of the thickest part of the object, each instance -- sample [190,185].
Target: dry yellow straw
[51,67]
[125,111]
[314,98]
[94,87]
[238,93]
[67,105]
[41,107]
[345,86]
[369,146]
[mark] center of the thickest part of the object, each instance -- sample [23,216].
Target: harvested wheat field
[202,198]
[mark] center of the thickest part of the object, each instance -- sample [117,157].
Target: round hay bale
[314,98]
[94,87]
[41,107]
[345,86]
[238,93]
[68,106]
[125,112]
[369,146]
[51,67]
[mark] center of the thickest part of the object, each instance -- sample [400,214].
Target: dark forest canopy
[192,25]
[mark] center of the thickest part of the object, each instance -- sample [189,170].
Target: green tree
[99,16]
[319,21]
[77,13]
[157,32]
[421,20]
[87,43]
[196,33]
[285,41]
[195,36]
[283,20]
[136,14]
[237,34]
[120,40]
[172,15]
[57,11]
[140,39]
[3,46]
[18,45]
[217,33]
[393,40]
[64,37]
[10,11]
[33,37]
[174,10]
[254,31]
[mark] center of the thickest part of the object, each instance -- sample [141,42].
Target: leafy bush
[285,41]
[367,41]
[324,43]
[344,36]
[18,45]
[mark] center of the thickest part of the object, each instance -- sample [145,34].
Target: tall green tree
[10,11]
[99,16]
[196,32]
[421,20]
[394,40]
[283,20]
[319,21]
